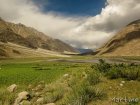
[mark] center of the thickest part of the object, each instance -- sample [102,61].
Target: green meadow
[20,72]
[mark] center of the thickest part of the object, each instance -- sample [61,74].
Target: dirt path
[109,60]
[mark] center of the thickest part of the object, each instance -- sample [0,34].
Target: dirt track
[109,60]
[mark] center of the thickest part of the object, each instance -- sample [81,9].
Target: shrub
[128,72]
[102,66]
[93,77]
[131,73]
[83,88]
[82,94]
[114,71]
[54,92]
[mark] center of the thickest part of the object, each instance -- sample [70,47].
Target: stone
[42,82]
[50,104]
[110,87]
[22,96]
[122,82]
[18,101]
[38,87]
[25,102]
[131,80]
[30,86]
[12,88]
[37,94]
[66,75]
[40,101]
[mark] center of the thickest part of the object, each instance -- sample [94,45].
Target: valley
[36,69]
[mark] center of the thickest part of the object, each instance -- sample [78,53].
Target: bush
[83,88]
[127,72]
[102,66]
[93,77]
[114,71]
[131,73]
[82,94]
[54,92]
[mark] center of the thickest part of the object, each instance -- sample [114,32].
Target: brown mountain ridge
[28,37]
[124,43]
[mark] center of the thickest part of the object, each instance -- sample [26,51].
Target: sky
[80,23]
[72,7]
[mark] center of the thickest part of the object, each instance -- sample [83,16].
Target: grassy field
[31,71]
[69,83]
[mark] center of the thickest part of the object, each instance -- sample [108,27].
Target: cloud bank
[81,32]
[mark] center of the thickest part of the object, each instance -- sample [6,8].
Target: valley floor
[79,80]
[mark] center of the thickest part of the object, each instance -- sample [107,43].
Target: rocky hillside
[124,43]
[29,37]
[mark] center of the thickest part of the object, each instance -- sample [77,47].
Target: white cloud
[90,32]
[23,11]
[116,15]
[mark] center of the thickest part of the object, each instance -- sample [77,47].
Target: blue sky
[72,7]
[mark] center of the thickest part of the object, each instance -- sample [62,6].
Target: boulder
[22,96]
[12,88]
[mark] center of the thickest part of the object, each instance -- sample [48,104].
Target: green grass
[25,73]
[86,84]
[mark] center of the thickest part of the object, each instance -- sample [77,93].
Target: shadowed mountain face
[124,43]
[29,37]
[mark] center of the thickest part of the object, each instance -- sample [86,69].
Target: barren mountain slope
[124,43]
[30,38]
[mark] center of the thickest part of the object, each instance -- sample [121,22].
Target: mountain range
[18,40]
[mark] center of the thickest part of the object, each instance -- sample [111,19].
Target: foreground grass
[84,84]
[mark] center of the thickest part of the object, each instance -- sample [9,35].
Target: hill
[124,43]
